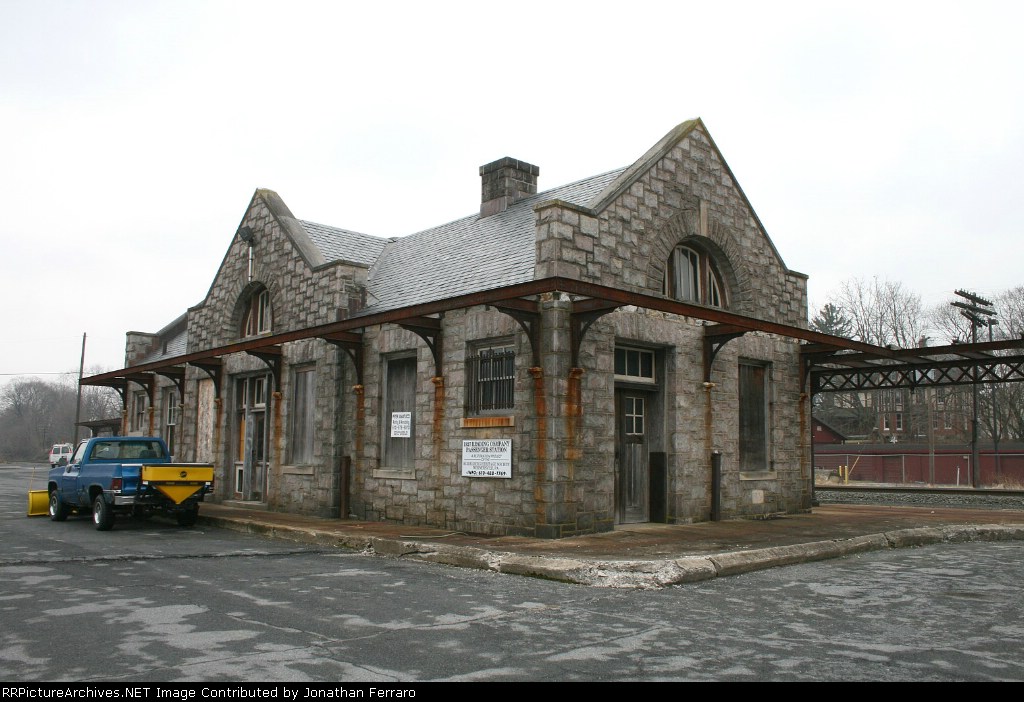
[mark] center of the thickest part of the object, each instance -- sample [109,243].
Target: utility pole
[78,406]
[979,311]
[995,415]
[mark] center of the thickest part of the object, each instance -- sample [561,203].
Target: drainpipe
[716,507]
[716,486]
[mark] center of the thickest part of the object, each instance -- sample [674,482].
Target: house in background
[825,434]
[553,364]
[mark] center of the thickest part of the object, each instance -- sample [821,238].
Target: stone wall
[563,472]
[436,493]
[689,191]
[302,295]
[304,292]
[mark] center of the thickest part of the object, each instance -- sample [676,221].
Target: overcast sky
[873,139]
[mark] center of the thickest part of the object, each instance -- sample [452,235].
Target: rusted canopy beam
[271,356]
[352,344]
[715,337]
[603,296]
[585,313]
[176,374]
[527,315]
[428,329]
[214,368]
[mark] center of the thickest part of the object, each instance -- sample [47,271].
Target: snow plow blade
[38,503]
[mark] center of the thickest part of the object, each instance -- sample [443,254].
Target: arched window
[691,276]
[258,314]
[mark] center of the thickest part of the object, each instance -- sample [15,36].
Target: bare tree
[1009,397]
[881,312]
[1000,409]
[877,312]
[35,414]
[951,326]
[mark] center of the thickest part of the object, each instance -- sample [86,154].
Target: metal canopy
[832,363]
[929,366]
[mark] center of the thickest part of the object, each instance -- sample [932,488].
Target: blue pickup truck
[129,475]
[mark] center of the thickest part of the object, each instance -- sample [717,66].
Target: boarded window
[753,420]
[400,414]
[303,415]
[206,412]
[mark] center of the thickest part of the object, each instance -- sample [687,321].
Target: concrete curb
[746,561]
[633,574]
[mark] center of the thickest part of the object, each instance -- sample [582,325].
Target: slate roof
[344,245]
[468,255]
[176,345]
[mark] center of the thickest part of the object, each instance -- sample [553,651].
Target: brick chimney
[504,182]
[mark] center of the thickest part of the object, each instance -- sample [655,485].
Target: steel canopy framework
[830,363]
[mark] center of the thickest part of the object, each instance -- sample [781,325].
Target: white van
[60,454]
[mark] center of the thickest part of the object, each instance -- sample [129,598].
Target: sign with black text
[401,425]
[487,458]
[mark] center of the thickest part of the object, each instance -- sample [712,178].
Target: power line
[67,372]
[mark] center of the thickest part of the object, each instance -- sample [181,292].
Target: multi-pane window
[692,277]
[490,379]
[686,267]
[172,409]
[139,422]
[633,416]
[636,365]
[303,415]
[753,424]
[258,316]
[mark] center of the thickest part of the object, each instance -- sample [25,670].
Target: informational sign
[487,458]
[401,425]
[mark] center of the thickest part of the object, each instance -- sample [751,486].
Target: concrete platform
[644,555]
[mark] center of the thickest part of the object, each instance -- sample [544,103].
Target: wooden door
[632,473]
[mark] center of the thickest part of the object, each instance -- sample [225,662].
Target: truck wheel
[58,510]
[188,518]
[102,514]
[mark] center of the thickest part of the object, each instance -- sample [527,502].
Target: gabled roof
[171,341]
[668,142]
[468,255]
[474,253]
[344,245]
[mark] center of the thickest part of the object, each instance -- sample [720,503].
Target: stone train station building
[626,348]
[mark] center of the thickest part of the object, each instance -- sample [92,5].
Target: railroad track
[875,494]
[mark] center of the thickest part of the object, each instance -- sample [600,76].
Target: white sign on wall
[487,458]
[401,425]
